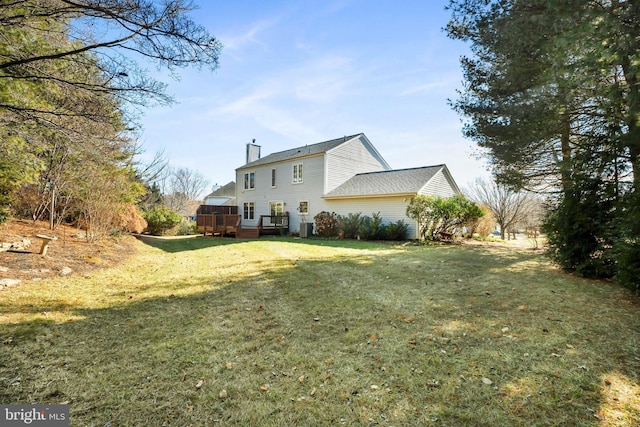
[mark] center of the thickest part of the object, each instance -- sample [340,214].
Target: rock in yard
[5,283]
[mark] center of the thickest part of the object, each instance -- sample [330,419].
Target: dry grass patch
[283,332]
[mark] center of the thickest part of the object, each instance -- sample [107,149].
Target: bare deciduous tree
[188,182]
[105,35]
[507,206]
[185,188]
[155,170]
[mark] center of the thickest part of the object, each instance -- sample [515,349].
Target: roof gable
[391,182]
[227,190]
[304,151]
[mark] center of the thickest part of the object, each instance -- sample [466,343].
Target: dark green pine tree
[552,97]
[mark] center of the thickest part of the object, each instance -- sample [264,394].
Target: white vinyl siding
[391,209]
[440,186]
[347,160]
[310,190]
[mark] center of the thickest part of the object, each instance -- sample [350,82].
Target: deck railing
[218,223]
[278,224]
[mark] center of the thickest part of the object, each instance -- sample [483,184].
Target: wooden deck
[217,221]
[220,224]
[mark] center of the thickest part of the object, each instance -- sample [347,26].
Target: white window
[303,207]
[273,178]
[249,180]
[297,173]
[249,208]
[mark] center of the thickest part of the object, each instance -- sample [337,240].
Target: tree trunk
[565,144]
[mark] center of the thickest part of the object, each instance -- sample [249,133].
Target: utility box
[306,229]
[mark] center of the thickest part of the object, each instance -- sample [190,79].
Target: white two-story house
[344,175]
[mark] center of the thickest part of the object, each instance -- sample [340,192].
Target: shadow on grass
[196,242]
[187,243]
[405,338]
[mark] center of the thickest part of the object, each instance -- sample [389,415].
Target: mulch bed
[71,253]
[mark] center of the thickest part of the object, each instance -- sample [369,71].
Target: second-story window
[249,180]
[273,177]
[297,173]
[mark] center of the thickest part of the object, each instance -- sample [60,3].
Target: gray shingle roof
[399,181]
[320,147]
[227,190]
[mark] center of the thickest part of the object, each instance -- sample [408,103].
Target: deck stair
[248,233]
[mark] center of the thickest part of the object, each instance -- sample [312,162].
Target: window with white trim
[249,210]
[249,180]
[297,173]
[303,207]
[273,178]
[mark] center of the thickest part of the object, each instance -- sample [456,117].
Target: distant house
[343,175]
[222,196]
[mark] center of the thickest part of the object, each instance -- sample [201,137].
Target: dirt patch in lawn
[71,253]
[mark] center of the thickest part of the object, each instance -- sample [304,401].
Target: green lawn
[284,332]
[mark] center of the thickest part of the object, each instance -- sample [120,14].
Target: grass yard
[280,332]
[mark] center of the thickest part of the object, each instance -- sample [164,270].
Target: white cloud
[424,88]
[250,36]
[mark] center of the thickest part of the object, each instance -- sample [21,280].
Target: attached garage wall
[391,209]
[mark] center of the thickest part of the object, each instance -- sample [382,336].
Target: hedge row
[356,225]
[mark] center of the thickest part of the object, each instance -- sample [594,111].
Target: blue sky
[300,72]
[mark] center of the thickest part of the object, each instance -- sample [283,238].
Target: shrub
[4,214]
[377,227]
[396,230]
[326,224]
[486,224]
[364,229]
[160,219]
[579,231]
[186,227]
[371,228]
[349,224]
[130,219]
[438,215]
[627,247]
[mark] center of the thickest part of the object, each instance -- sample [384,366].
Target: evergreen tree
[549,80]
[552,95]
